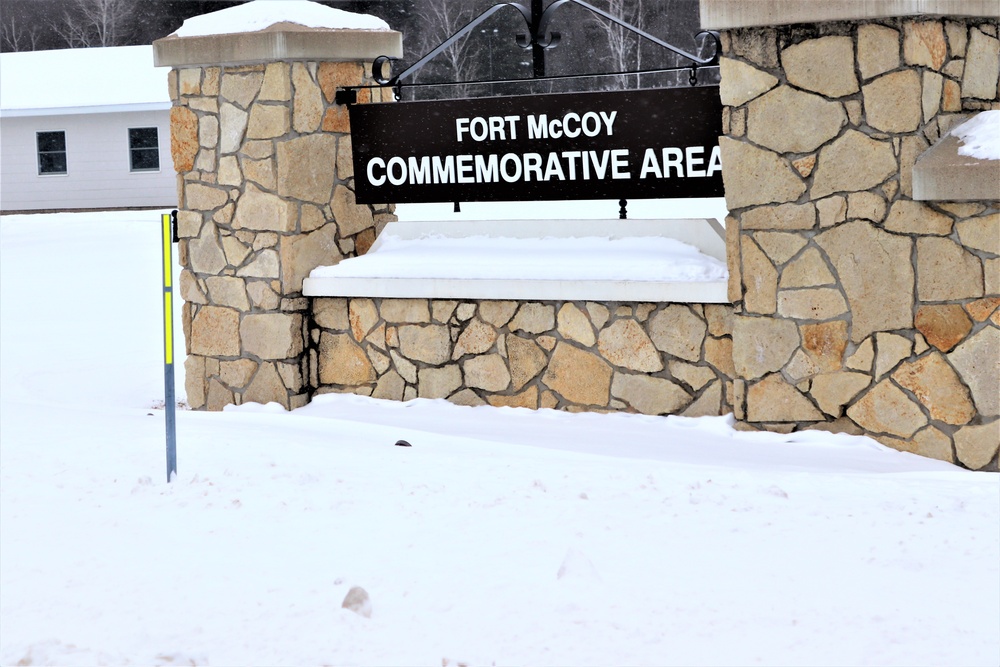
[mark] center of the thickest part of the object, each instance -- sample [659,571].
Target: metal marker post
[170,404]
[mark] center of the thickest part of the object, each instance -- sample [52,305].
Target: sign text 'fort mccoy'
[631,145]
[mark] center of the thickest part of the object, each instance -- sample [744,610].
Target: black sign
[616,145]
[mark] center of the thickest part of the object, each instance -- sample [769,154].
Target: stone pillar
[858,308]
[265,185]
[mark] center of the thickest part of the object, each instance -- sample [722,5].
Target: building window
[51,152]
[144,149]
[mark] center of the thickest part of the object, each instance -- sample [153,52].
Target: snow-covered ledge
[964,165]
[680,261]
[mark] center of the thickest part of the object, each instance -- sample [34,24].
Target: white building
[84,129]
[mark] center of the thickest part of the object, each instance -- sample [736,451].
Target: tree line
[590,44]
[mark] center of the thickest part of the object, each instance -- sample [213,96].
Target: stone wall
[265,185]
[577,356]
[856,307]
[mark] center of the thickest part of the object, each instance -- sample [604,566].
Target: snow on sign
[617,145]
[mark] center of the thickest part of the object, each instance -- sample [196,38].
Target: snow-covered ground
[502,536]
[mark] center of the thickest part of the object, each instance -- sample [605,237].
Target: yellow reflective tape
[167,240]
[168,328]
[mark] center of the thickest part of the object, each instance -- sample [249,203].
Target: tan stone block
[332,75]
[441,311]
[477,338]
[912,147]
[206,104]
[534,318]
[951,99]
[578,376]
[819,303]
[572,324]
[719,354]
[264,265]
[232,127]
[930,442]
[189,223]
[831,210]
[891,349]
[863,357]
[204,253]
[466,397]
[977,361]
[981,309]
[866,205]
[194,381]
[946,271]
[235,251]
[599,313]
[342,361]
[267,387]
[350,216]
[693,376]
[363,317]
[345,158]
[228,291]
[774,400]
[851,163]
[261,210]
[260,172]
[407,311]
[404,367]
[981,233]
[218,396]
[262,240]
[886,409]
[487,372]
[215,332]
[924,43]
[497,313]
[262,296]
[938,388]
[390,387]
[808,270]
[719,318]
[625,344]
[954,69]
[465,312]
[302,253]
[183,138]
[526,399]
[678,332]
[760,279]
[272,335]
[832,391]
[982,66]
[930,100]
[780,217]
[740,82]
[734,254]
[268,121]
[439,382]
[336,119]
[913,217]
[377,337]
[942,325]
[208,131]
[976,446]
[237,373]
[291,376]
[311,218]
[649,395]
[824,65]
[875,275]
[241,88]
[190,290]
[205,162]
[762,345]
[526,360]
[757,176]
[229,171]
[307,104]
[708,404]
[548,400]
[805,165]
[991,276]
[825,343]
[200,197]
[430,343]
[189,80]
[258,149]
[787,120]
[958,37]
[277,85]
[878,49]
[172,89]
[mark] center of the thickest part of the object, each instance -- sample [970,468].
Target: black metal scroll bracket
[538,39]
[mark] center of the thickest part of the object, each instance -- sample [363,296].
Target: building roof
[75,81]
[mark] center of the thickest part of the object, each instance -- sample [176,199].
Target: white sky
[502,536]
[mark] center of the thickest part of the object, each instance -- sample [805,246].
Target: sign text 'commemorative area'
[632,144]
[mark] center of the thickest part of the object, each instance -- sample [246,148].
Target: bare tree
[624,52]
[88,23]
[438,20]
[17,34]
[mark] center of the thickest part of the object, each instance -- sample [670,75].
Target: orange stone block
[943,326]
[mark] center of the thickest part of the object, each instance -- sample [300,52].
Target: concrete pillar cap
[730,14]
